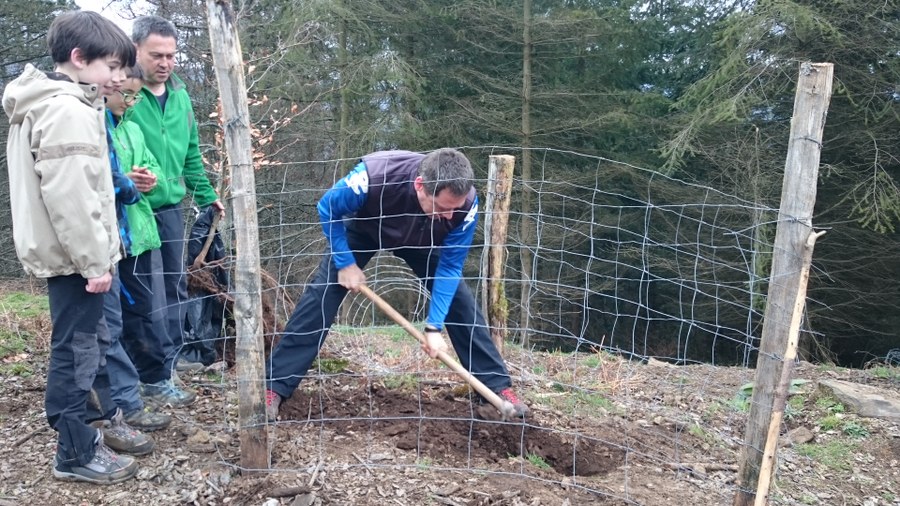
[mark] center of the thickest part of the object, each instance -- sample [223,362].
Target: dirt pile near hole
[446,429]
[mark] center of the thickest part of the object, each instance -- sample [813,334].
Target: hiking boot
[147,420]
[507,394]
[165,392]
[185,365]
[123,438]
[273,402]
[106,468]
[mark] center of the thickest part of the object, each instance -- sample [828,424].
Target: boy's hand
[99,285]
[144,180]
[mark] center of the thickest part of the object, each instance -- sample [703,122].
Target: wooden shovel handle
[479,387]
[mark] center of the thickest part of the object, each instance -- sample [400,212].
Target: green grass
[16,369]
[886,372]
[854,430]
[830,422]
[25,306]
[12,343]
[15,307]
[592,362]
[537,461]
[404,382]
[581,398]
[697,431]
[330,365]
[834,455]
[214,376]
[830,404]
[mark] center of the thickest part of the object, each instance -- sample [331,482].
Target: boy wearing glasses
[132,314]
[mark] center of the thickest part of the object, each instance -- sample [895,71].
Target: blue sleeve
[126,192]
[449,270]
[344,198]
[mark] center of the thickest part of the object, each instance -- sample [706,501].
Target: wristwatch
[431,328]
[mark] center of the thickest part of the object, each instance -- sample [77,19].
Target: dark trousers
[307,327]
[170,221]
[144,334]
[78,344]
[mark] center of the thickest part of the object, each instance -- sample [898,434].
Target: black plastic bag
[205,310]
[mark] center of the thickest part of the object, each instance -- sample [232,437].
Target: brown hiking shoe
[121,437]
[147,420]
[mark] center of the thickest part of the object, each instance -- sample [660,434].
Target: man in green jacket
[166,117]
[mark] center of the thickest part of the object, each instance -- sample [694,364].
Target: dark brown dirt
[443,427]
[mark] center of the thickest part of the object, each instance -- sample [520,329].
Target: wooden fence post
[786,286]
[228,62]
[496,224]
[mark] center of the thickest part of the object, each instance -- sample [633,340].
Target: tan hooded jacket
[60,181]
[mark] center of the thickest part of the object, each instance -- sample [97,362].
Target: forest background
[697,90]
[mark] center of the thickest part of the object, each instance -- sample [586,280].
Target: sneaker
[273,402]
[105,468]
[147,420]
[184,365]
[165,392]
[507,394]
[121,437]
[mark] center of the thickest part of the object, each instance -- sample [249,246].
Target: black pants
[170,222]
[312,318]
[144,334]
[78,344]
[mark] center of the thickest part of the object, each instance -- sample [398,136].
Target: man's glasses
[131,98]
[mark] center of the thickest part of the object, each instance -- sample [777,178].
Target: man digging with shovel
[423,209]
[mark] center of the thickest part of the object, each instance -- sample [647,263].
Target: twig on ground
[30,435]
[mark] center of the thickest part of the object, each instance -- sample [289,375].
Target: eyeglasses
[131,98]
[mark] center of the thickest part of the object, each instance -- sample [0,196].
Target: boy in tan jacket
[64,221]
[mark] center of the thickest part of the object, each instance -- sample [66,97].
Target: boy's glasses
[131,98]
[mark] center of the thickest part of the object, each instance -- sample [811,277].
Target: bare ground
[384,426]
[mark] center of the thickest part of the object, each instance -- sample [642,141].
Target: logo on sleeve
[358,181]
[470,216]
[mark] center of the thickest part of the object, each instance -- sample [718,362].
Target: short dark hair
[94,35]
[446,168]
[134,72]
[146,26]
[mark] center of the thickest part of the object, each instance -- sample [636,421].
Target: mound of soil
[447,428]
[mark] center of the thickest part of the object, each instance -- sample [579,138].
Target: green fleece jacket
[132,151]
[173,139]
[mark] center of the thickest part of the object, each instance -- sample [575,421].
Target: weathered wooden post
[228,62]
[496,224]
[787,286]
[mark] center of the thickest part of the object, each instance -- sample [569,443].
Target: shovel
[506,409]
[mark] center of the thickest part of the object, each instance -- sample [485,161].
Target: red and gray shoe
[273,402]
[507,394]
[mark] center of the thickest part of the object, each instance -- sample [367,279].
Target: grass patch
[854,430]
[22,369]
[834,455]
[886,372]
[830,422]
[330,365]
[24,306]
[22,315]
[537,461]
[592,362]
[12,343]
[403,382]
